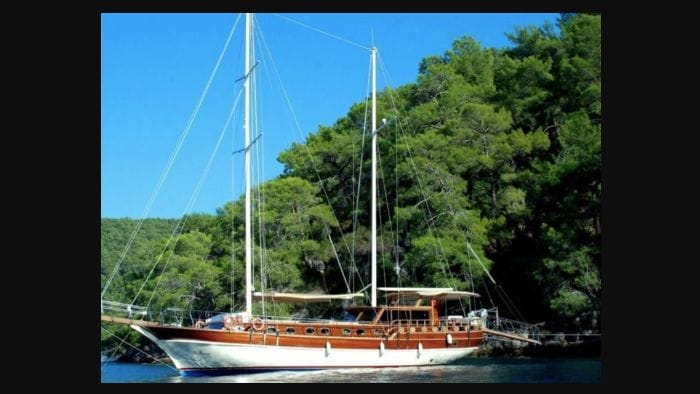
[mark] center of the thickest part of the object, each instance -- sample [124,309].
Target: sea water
[470,370]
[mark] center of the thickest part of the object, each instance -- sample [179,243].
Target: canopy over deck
[445,293]
[301,298]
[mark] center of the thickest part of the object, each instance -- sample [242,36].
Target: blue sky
[155,66]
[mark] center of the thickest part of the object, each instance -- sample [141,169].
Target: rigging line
[355,197]
[410,156]
[250,195]
[260,119]
[233,227]
[183,220]
[259,195]
[397,267]
[250,145]
[487,292]
[387,77]
[188,207]
[259,175]
[257,126]
[381,241]
[381,229]
[427,213]
[352,196]
[323,32]
[240,53]
[233,241]
[469,246]
[447,272]
[125,341]
[340,266]
[381,224]
[517,311]
[359,177]
[362,153]
[306,148]
[471,279]
[394,236]
[471,274]
[171,160]
[396,202]
[511,307]
[508,304]
[388,212]
[432,228]
[243,78]
[114,351]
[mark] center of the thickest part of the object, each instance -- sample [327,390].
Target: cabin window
[360,332]
[291,330]
[325,331]
[378,332]
[346,331]
[310,331]
[272,330]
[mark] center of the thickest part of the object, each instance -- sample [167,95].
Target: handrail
[124,308]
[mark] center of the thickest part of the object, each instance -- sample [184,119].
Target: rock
[134,356]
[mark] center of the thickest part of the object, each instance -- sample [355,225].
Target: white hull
[194,355]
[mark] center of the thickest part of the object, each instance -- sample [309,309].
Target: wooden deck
[122,320]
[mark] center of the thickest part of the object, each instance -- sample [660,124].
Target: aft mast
[374,176]
[246,126]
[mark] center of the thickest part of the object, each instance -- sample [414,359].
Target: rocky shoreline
[157,355]
[555,346]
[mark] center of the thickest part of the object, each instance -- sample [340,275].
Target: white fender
[448,338]
[381,349]
[420,349]
[328,348]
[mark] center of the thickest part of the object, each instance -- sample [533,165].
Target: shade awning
[301,298]
[413,289]
[445,293]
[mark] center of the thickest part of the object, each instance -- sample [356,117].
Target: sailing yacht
[408,330]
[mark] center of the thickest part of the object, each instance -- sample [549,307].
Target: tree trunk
[493,197]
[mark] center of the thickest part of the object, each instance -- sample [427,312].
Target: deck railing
[494,322]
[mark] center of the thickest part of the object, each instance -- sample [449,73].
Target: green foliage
[570,303]
[114,235]
[192,279]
